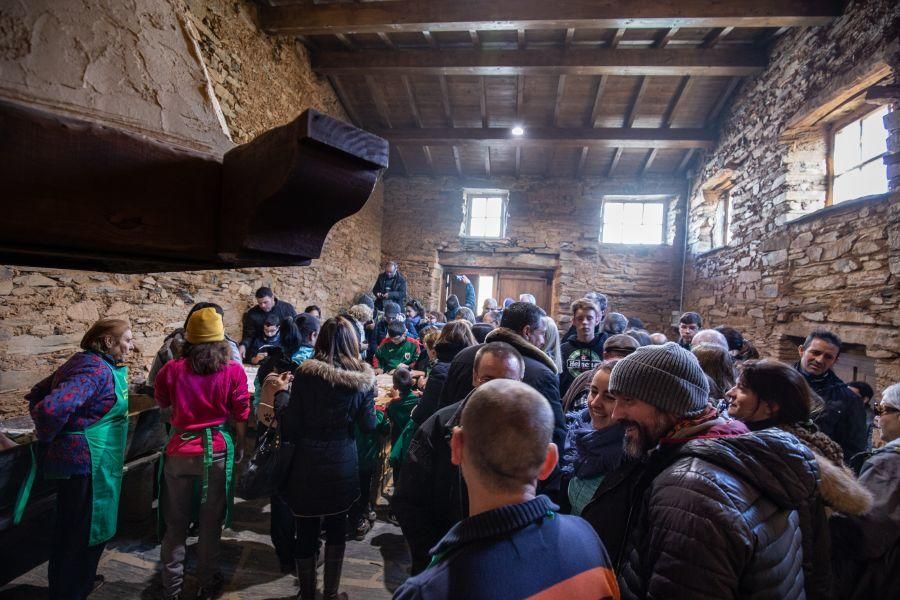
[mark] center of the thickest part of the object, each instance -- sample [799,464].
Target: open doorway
[498,284]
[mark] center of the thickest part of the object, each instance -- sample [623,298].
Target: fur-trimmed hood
[361,381]
[525,348]
[840,489]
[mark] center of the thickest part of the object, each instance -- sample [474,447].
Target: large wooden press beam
[550,61]
[481,15]
[625,137]
[82,195]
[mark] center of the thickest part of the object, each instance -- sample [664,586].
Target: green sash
[207,435]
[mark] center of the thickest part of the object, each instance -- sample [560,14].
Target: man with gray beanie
[710,510]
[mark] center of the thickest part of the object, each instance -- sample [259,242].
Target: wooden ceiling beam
[520,38]
[380,102]
[386,40]
[429,39]
[723,99]
[685,161]
[595,110]
[518,160]
[428,158]
[715,36]
[411,98]
[487,161]
[445,100]
[560,92]
[345,100]
[545,61]
[666,37]
[345,41]
[617,38]
[520,96]
[684,86]
[570,35]
[466,15]
[582,159]
[651,156]
[632,110]
[483,104]
[456,161]
[615,161]
[633,137]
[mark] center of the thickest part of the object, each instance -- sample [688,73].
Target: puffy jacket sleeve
[693,521]
[870,536]
[470,297]
[367,420]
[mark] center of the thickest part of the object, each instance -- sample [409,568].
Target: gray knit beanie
[668,377]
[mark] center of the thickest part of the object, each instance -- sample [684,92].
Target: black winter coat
[428,403]
[844,417]
[254,318]
[326,402]
[431,496]
[540,373]
[394,287]
[717,519]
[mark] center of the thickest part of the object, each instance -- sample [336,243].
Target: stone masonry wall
[552,224]
[835,268]
[259,82]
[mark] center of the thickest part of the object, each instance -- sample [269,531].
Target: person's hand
[258,358]
[277,382]
[464,279]
[238,454]
[243,351]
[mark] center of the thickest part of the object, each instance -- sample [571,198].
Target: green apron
[106,441]
[186,435]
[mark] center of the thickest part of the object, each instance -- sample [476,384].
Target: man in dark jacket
[514,544]
[453,304]
[710,513]
[431,496]
[844,417]
[390,285]
[266,304]
[585,351]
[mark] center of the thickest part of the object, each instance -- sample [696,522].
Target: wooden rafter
[615,161]
[520,38]
[560,92]
[445,100]
[473,36]
[520,96]
[616,38]
[466,15]
[483,103]
[386,40]
[635,102]
[518,160]
[345,100]
[715,36]
[663,40]
[546,61]
[345,41]
[684,86]
[429,39]
[570,35]
[487,161]
[648,160]
[399,160]
[688,155]
[723,99]
[582,159]
[624,137]
[380,102]
[456,161]
[411,98]
[595,109]
[428,159]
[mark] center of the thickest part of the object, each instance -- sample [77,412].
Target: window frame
[663,199]
[857,115]
[468,195]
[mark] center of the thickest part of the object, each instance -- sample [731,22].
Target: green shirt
[389,355]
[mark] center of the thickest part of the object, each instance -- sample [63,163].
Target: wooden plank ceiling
[601,87]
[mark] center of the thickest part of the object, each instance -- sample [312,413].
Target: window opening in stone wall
[633,221]
[721,233]
[485,213]
[857,150]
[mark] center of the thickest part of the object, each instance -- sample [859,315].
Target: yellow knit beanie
[204,326]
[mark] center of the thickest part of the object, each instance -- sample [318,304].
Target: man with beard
[708,513]
[844,417]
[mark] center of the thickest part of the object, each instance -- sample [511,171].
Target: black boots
[306,577]
[334,563]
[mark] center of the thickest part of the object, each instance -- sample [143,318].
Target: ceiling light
[517,130]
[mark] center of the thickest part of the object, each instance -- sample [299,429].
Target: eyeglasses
[881,410]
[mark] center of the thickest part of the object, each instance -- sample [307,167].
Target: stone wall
[552,224]
[793,266]
[199,57]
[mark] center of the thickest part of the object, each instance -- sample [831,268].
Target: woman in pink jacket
[205,390]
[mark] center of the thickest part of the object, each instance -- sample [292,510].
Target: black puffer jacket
[717,519]
[326,402]
[428,403]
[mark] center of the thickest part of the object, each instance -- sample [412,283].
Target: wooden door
[521,281]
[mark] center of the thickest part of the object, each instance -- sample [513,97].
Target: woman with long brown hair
[331,392]
[205,389]
[772,394]
[80,413]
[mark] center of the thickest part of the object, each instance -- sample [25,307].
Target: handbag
[268,468]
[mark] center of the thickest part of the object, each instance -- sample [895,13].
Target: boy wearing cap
[513,544]
[396,349]
[711,511]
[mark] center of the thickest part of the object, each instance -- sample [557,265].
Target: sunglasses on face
[882,410]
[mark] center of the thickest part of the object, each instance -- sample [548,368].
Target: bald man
[513,544]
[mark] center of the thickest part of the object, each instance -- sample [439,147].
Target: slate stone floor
[373,568]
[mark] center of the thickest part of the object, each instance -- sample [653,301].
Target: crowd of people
[603,461]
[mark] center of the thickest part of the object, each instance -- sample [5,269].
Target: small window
[485,213]
[857,151]
[721,233]
[633,222]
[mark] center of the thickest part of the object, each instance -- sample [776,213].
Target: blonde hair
[95,338]
[360,312]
